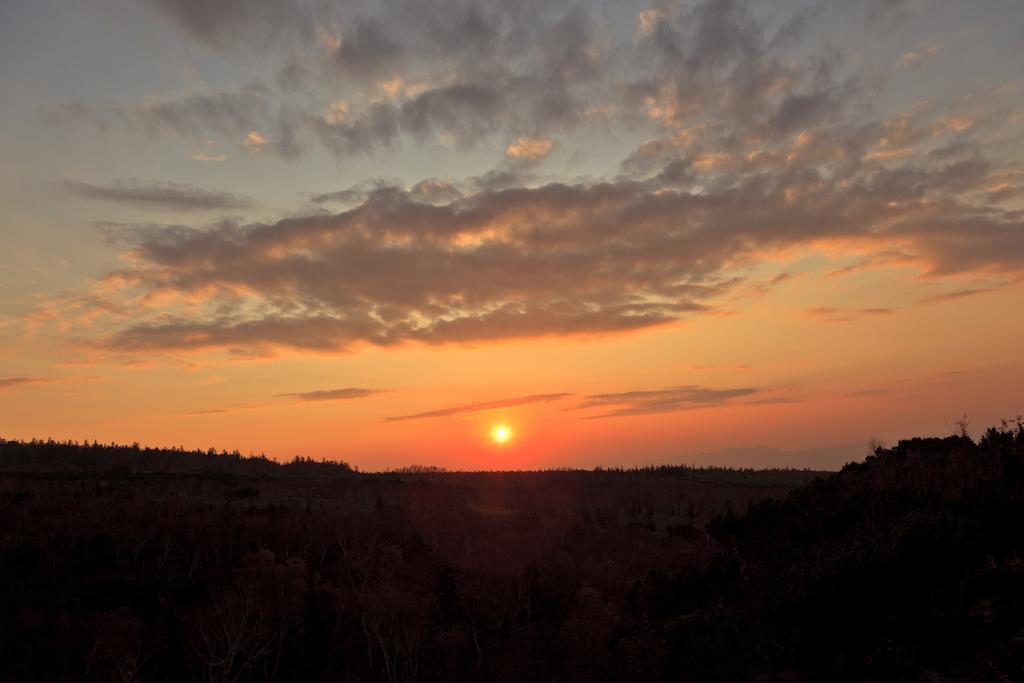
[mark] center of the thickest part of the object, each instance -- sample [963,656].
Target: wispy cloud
[876,260]
[332,394]
[323,395]
[16,382]
[160,195]
[780,400]
[958,294]
[12,382]
[671,399]
[840,315]
[481,407]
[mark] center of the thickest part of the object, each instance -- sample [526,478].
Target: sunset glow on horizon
[511,236]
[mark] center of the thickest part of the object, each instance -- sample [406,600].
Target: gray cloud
[481,407]
[74,113]
[252,23]
[232,112]
[883,14]
[332,394]
[15,382]
[750,152]
[284,131]
[394,269]
[958,294]
[377,126]
[160,195]
[237,115]
[11,382]
[551,260]
[781,400]
[466,111]
[866,393]
[845,315]
[465,71]
[367,50]
[356,194]
[688,397]
[494,71]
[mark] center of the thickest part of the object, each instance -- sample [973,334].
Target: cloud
[250,115]
[884,14]
[332,394]
[463,112]
[557,259]
[866,393]
[446,70]
[647,20]
[876,260]
[530,148]
[466,111]
[356,194]
[160,196]
[750,156]
[74,113]
[12,382]
[254,140]
[781,400]
[688,397]
[367,51]
[836,315]
[16,382]
[914,58]
[395,269]
[78,363]
[496,68]
[958,294]
[481,407]
[346,394]
[254,24]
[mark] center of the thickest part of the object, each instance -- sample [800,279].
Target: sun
[501,434]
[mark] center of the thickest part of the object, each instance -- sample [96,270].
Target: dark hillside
[127,563]
[123,563]
[909,566]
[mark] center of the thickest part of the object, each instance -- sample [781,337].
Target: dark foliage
[909,566]
[137,564]
[126,563]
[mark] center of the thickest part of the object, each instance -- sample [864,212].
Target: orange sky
[818,383]
[634,235]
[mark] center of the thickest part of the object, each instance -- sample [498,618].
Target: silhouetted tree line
[129,563]
[904,567]
[66,456]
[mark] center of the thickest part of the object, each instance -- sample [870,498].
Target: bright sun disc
[501,434]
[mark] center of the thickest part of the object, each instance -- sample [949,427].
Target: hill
[123,563]
[907,566]
[130,563]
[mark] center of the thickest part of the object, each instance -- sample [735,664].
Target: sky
[720,232]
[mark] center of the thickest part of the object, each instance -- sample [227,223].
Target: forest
[136,564]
